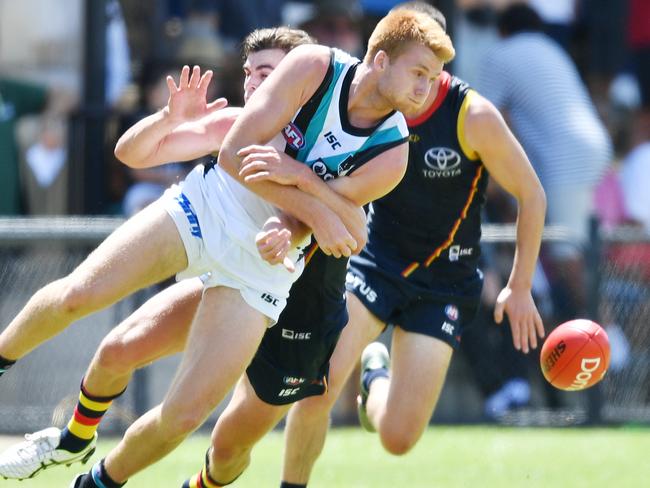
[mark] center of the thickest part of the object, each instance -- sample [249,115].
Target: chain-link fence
[42,388]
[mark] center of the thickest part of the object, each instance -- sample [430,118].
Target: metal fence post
[593,270]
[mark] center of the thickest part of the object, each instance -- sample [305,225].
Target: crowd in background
[587,77]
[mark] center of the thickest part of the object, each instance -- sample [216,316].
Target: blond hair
[401,27]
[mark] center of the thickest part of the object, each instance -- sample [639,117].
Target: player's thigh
[224,336]
[245,420]
[159,327]
[419,365]
[146,249]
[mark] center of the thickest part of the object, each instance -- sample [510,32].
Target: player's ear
[381,60]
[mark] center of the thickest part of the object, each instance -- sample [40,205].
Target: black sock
[291,485]
[98,474]
[372,374]
[5,364]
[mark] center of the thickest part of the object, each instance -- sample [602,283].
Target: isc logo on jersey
[442,162]
[293,136]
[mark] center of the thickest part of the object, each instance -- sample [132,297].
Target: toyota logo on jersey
[442,162]
[442,158]
[293,136]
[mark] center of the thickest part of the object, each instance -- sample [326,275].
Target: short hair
[285,38]
[519,17]
[402,26]
[425,8]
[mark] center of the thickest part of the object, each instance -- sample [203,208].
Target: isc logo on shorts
[269,299]
[285,392]
[292,335]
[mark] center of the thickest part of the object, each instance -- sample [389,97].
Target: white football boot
[40,451]
[374,356]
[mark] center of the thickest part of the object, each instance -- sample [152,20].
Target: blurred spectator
[118,57]
[558,17]
[536,84]
[227,21]
[475,32]
[604,55]
[45,172]
[19,98]
[335,23]
[239,18]
[501,371]
[635,182]
[639,40]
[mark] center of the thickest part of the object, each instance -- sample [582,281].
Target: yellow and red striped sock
[202,480]
[84,422]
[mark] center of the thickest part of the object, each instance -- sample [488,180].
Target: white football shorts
[221,244]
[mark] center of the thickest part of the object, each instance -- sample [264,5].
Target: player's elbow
[122,154]
[537,199]
[126,157]
[229,160]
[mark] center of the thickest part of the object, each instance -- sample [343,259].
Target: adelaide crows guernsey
[429,227]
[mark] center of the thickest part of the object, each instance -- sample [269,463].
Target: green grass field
[446,457]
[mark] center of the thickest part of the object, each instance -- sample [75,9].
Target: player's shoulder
[479,109]
[309,58]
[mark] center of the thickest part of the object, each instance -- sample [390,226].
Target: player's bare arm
[344,195]
[267,112]
[265,163]
[487,133]
[178,131]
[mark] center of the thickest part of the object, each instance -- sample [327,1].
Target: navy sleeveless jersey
[428,228]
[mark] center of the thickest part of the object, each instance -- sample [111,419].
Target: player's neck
[365,106]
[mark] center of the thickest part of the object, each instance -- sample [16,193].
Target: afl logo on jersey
[293,136]
[442,162]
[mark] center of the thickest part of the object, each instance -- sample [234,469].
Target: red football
[575,355]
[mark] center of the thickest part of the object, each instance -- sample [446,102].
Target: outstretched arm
[187,128]
[487,134]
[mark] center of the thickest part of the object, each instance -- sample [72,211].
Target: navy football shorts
[292,361]
[397,301]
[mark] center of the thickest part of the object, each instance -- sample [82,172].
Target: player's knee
[115,356]
[315,407]
[74,299]
[227,455]
[398,441]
